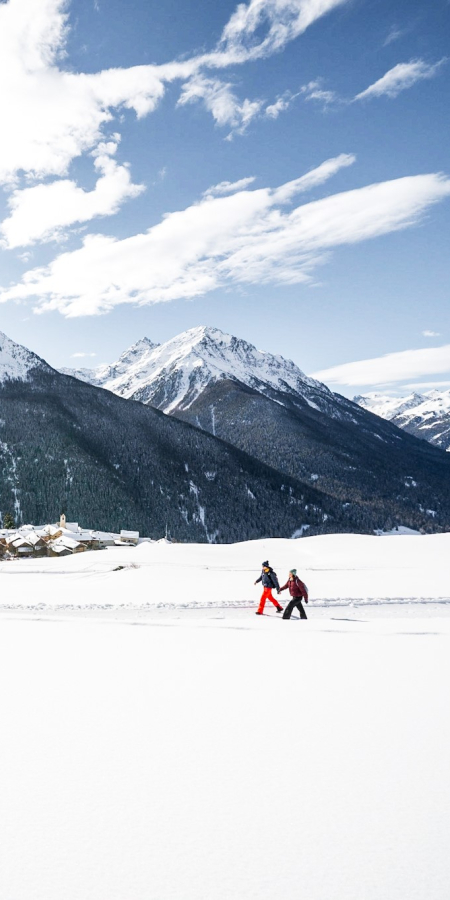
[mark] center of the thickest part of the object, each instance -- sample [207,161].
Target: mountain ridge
[426,416]
[150,372]
[266,406]
[66,445]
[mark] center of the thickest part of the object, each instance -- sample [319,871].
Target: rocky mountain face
[426,416]
[66,445]
[265,406]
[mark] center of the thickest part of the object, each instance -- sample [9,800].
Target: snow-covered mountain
[119,376]
[171,376]
[426,415]
[68,445]
[16,362]
[265,405]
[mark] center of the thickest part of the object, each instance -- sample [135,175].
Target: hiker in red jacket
[298,592]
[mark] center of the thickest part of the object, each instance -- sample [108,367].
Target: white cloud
[50,116]
[401,77]
[431,333]
[246,237]
[394,34]
[283,20]
[312,179]
[389,368]
[82,355]
[281,104]
[229,187]
[220,100]
[314,91]
[43,212]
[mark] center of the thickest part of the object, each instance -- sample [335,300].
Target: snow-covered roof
[21,541]
[34,538]
[67,542]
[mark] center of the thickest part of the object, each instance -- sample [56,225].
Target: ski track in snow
[340,570]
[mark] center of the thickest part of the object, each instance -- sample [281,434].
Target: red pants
[267,595]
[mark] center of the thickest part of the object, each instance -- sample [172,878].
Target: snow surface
[338,569]
[225,760]
[209,754]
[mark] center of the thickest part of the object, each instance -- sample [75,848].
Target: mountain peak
[142,344]
[172,375]
[16,362]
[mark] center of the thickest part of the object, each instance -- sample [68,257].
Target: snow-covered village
[60,538]
[224,450]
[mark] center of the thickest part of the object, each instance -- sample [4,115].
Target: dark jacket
[269,579]
[296,588]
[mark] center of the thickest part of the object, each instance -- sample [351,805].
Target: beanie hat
[293,571]
[266,563]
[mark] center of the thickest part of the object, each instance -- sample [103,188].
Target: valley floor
[210,753]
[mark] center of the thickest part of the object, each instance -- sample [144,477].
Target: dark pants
[295,602]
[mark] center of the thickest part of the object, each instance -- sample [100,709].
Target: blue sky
[278,169]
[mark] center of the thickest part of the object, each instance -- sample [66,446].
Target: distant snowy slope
[171,376]
[89,376]
[16,362]
[388,406]
[426,415]
[130,365]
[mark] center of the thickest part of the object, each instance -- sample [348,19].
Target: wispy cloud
[51,116]
[314,91]
[248,237]
[221,101]
[394,34]
[278,21]
[82,355]
[401,77]
[281,104]
[229,187]
[431,334]
[393,367]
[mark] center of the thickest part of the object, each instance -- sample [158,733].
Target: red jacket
[296,588]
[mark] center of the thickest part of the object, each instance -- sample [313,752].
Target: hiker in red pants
[269,581]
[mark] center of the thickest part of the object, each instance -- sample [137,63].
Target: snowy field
[338,569]
[161,742]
